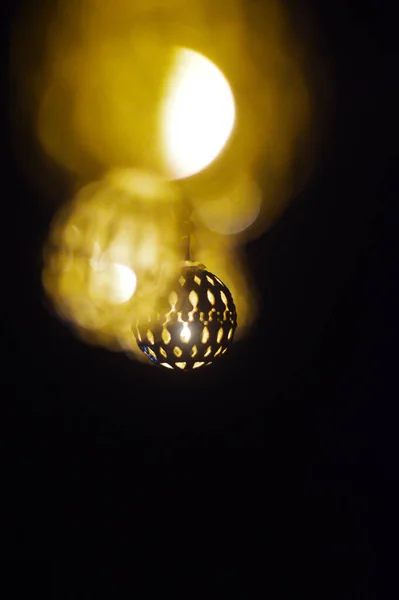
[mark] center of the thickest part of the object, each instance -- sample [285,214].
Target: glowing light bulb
[198,114]
[185,334]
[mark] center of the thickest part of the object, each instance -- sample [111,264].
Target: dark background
[287,451]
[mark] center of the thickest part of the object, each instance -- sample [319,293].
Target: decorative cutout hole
[173,299]
[166,337]
[177,351]
[193,297]
[205,335]
[211,297]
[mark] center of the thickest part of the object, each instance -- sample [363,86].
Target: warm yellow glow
[166,337]
[223,297]
[185,334]
[173,299]
[198,115]
[111,282]
[233,211]
[112,252]
[152,188]
[205,335]
[219,257]
[112,85]
[211,297]
[177,351]
[193,297]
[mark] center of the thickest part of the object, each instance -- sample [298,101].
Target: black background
[287,451]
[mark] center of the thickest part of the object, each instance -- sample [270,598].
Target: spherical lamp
[195,324]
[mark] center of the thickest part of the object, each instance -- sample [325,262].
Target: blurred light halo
[233,212]
[111,253]
[198,114]
[112,282]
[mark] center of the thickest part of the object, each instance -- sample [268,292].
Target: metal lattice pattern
[196,323]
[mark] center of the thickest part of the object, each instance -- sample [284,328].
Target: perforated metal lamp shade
[196,323]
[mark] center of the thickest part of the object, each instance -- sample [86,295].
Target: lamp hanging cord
[188,241]
[187,227]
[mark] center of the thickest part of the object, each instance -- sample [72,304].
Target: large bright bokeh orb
[198,114]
